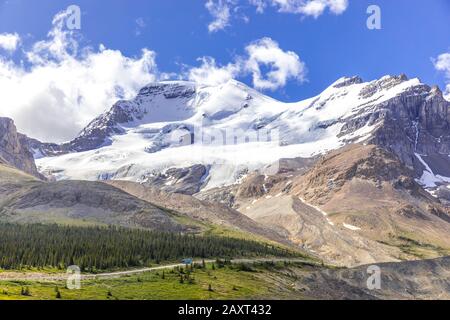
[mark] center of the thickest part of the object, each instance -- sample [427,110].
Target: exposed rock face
[348,81]
[14,148]
[95,135]
[180,180]
[415,121]
[223,195]
[368,163]
[443,193]
[256,185]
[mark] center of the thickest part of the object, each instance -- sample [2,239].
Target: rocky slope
[26,199]
[202,211]
[373,192]
[14,148]
[408,280]
[359,204]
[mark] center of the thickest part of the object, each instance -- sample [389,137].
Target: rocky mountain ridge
[158,130]
[14,148]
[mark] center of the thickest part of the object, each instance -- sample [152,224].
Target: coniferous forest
[103,248]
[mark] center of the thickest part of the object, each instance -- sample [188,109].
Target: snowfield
[229,128]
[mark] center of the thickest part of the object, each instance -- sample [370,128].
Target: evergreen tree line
[102,248]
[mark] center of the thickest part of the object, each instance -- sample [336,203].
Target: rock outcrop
[14,149]
[187,181]
[416,122]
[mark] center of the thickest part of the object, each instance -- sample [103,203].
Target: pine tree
[25,291]
[58,293]
[99,248]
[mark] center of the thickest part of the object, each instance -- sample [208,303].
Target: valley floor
[240,280]
[246,280]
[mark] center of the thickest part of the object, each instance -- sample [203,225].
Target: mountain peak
[170,89]
[435,90]
[400,77]
[347,81]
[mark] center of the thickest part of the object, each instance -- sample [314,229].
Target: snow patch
[428,178]
[350,227]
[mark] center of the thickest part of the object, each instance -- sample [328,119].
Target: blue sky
[330,45]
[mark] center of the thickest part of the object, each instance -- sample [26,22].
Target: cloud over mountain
[262,54]
[442,63]
[61,87]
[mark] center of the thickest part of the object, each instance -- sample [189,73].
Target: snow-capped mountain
[214,135]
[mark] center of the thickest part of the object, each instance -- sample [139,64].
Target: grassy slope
[227,283]
[10,174]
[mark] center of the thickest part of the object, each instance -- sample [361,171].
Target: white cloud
[9,41]
[283,65]
[221,10]
[313,8]
[442,63]
[64,87]
[264,54]
[211,74]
